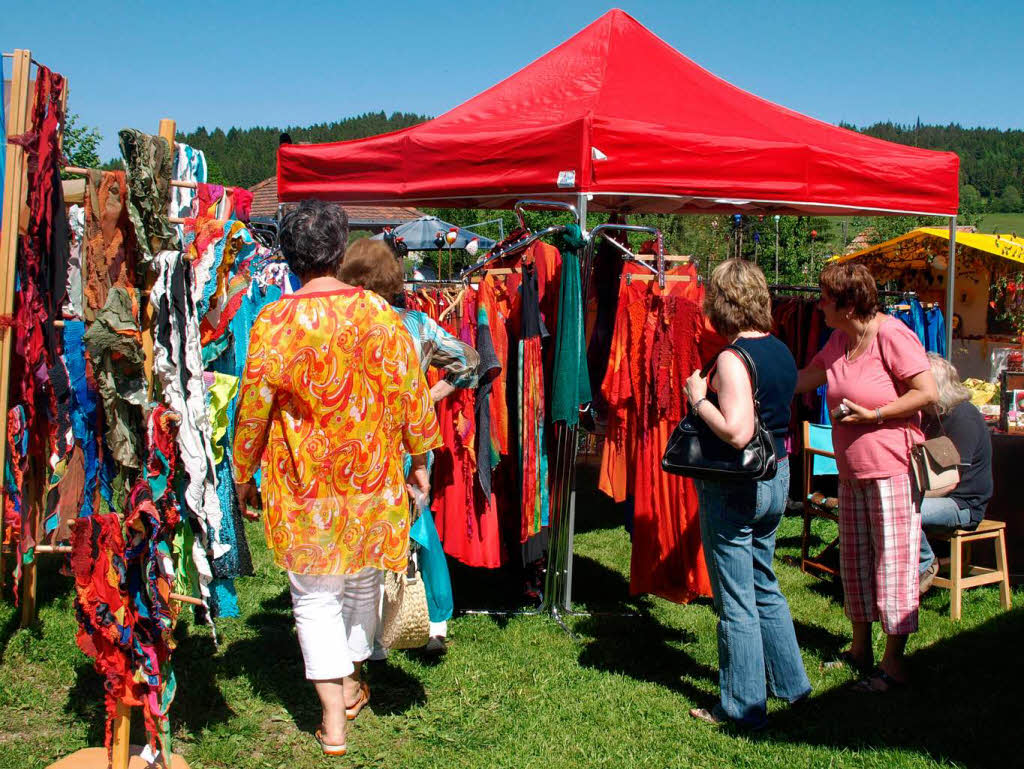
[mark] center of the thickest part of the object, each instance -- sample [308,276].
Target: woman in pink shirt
[877,369]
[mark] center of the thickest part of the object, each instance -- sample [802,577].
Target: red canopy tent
[617,114]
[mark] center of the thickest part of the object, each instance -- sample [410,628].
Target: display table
[1007,502]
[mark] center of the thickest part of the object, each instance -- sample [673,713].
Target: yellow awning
[928,247]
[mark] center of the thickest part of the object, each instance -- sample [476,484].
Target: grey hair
[947,381]
[313,238]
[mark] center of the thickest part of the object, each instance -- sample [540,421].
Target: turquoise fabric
[571,388]
[820,438]
[433,567]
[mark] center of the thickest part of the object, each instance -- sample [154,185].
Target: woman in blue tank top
[738,519]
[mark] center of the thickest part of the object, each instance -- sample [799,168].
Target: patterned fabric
[331,398]
[149,163]
[436,347]
[114,342]
[177,365]
[879,547]
[73,306]
[189,166]
[108,257]
[533,458]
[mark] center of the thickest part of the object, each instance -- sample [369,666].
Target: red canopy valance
[619,114]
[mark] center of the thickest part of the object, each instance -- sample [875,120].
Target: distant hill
[991,160]
[244,156]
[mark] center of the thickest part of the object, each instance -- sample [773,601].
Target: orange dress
[655,347]
[331,399]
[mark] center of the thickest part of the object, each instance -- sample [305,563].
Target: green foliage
[990,159]
[81,143]
[970,199]
[1010,201]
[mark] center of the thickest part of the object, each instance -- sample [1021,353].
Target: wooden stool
[960,542]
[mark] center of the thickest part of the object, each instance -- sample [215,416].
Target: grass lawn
[1002,224]
[517,691]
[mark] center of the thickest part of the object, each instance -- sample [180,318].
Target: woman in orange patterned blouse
[331,398]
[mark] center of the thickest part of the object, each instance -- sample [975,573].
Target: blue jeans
[939,513]
[755,629]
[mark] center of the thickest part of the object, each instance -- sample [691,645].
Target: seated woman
[331,400]
[372,265]
[961,506]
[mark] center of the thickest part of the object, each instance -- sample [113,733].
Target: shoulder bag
[695,451]
[935,464]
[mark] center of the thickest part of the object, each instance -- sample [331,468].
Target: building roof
[265,202]
[928,248]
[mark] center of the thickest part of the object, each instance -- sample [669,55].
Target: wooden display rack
[124,754]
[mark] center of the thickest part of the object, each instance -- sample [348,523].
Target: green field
[518,691]
[1002,223]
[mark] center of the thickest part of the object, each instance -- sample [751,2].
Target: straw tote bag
[404,618]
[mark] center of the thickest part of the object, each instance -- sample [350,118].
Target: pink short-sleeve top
[873,379]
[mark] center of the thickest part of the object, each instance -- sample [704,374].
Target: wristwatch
[878,416]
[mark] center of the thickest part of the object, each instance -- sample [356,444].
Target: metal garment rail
[558,583]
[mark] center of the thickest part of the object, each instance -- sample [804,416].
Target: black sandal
[868,685]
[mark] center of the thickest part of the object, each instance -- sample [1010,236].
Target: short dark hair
[313,237]
[853,288]
[371,264]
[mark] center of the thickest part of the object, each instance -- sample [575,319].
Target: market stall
[594,124]
[986,339]
[984,291]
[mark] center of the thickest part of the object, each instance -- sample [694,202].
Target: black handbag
[695,451]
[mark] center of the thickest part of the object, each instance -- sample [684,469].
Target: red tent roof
[618,113]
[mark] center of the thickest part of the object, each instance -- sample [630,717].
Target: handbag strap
[751,370]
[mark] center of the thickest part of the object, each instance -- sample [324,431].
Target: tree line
[991,159]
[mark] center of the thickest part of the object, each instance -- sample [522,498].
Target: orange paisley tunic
[331,399]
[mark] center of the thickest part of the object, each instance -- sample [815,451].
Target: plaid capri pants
[879,550]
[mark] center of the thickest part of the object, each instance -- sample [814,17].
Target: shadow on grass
[272,663]
[959,708]
[198,701]
[50,584]
[621,636]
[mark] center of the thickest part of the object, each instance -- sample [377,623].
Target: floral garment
[331,398]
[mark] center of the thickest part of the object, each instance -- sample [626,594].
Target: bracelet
[878,416]
[695,408]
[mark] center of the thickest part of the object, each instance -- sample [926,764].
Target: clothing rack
[76,171]
[558,581]
[514,248]
[817,290]
[14,203]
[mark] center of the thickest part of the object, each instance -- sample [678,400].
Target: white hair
[947,380]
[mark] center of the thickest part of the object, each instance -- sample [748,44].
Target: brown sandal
[364,698]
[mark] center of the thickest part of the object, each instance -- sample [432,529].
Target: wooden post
[121,749]
[14,199]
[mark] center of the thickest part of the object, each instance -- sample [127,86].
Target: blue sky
[295,63]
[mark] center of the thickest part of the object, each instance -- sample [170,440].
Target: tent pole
[950,287]
[581,208]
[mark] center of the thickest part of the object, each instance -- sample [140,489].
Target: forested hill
[244,156]
[991,160]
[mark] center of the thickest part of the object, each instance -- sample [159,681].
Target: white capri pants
[336,618]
